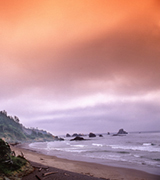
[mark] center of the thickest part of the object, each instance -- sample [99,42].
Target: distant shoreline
[96,170]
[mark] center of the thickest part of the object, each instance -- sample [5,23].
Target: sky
[81,66]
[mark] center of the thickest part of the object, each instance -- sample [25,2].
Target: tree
[16,119]
[4,151]
[4,112]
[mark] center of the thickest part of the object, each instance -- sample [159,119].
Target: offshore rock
[77,138]
[121,131]
[75,135]
[92,135]
[58,138]
[68,135]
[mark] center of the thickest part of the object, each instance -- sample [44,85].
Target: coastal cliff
[11,130]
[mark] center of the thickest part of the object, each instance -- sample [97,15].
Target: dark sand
[69,169]
[58,174]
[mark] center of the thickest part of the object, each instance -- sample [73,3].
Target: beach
[66,169]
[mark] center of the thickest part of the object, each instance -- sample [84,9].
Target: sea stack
[92,135]
[121,131]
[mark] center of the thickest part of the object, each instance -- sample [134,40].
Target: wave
[79,145]
[148,144]
[95,144]
[139,148]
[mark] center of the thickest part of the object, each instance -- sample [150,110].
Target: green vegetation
[5,151]
[9,162]
[15,164]
[12,131]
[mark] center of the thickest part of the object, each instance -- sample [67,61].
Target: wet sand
[69,169]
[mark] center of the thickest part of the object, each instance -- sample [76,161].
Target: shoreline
[85,168]
[128,165]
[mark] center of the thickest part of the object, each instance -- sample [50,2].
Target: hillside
[11,130]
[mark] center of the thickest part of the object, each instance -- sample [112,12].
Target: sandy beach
[69,169]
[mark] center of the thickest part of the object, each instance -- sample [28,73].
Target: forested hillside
[11,130]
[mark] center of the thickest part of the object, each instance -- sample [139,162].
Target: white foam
[99,145]
[79,145]
[139,148]
[136,156]
[147,144]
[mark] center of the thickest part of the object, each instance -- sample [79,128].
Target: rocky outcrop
[75,134]
[120,132]
[68,135]
[77,138]
[92,135]
[58,138]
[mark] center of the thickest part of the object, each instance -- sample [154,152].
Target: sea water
[135,150]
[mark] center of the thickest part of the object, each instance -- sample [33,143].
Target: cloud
[96,63]
[139,116]
[130,48]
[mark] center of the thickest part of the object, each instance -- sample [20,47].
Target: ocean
[135,150]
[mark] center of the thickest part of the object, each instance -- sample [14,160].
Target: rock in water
[68,135]
[121,131]
[92,135]
[78,139]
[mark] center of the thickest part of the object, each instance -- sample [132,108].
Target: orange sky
[29,24]
[71,54]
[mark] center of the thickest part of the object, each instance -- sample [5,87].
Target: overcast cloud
[81,66]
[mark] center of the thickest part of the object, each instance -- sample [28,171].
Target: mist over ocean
[135,150]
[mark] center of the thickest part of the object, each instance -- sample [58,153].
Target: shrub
[9,163]
[4,151]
